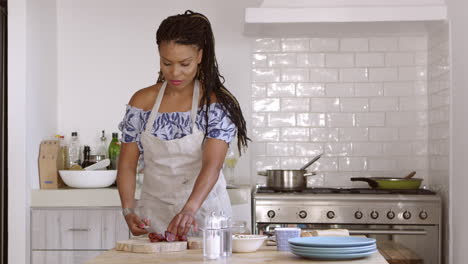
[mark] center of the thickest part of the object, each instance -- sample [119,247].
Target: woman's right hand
[135,224]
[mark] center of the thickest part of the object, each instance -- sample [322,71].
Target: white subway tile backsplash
[383,133]
[383,104]
[354,44]
[417,73]
[259,90]
[339,60]
[267,45]
[399,59]
[308,149]
[370,59]
[324,164]
[259,60]
[259,120]
[368,89]
[310,60]
[294,75]
[420,148]
[397,149]
[323,75]
[420,58]
[420,88]
[293,163]
[280,89]
[413,103]
[370,119]
[398,88]
[354,134]
[382,164]
[267,163]
[311,119]
[340,120]
[339,89]
[266,105]
[412,163]
[280,149]
[352,164]
[281,119]
[257,149]
[354,105]
[324,105]
[383,74]
[413,133]
[324,44]
[294,104]
[406,119]
[412,43]
[282,60]
[324,134]
[310,89]
[294,134]
[295,44]
[265,134]
[383,44]
[354,75]
[367,149]
[338,149]
[266,75]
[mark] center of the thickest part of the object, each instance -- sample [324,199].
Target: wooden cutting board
[143,245]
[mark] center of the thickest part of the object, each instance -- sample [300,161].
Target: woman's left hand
[182,222]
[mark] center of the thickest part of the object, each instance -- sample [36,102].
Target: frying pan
[406,183]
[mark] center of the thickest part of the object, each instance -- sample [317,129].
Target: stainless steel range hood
[287,14]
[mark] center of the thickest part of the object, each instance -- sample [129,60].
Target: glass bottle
[74,150]
[114,151]
[226,235]
[102,148]
[230,162]
[86,161]
[212,237]
[63,154]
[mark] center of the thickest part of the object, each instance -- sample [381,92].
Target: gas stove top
[347,191]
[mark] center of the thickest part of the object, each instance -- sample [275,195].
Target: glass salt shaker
[212,237]
[226,235]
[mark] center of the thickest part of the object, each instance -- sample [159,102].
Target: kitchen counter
[264,255]
[102,197]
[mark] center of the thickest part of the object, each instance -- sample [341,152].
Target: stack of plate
[330,247]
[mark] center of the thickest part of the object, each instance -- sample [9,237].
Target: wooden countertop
[264,255]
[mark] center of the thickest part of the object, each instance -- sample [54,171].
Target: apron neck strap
[157,104]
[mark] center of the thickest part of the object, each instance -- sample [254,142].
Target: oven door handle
[420,232]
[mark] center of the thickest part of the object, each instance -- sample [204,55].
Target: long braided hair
[193,28]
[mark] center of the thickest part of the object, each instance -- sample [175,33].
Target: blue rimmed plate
[334,256]
[332,241]
[338,250]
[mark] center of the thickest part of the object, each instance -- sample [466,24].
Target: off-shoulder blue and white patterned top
[174,125]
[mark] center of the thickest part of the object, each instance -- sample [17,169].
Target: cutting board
[143,245]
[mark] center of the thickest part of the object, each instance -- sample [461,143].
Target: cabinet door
[114,228]
[63,257]
[50,229]
[87,233]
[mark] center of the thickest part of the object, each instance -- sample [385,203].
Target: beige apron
[171,168]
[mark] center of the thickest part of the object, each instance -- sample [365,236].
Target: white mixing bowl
[247,243]
[88,179]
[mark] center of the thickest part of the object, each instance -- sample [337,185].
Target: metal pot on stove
[288,180]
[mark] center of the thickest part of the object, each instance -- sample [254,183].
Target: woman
[183,125]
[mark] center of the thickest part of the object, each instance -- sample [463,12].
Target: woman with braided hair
[183,125]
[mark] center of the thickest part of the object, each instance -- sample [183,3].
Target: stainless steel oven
[408,218]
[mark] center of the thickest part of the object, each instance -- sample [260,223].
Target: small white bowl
[88,179]
[247,243]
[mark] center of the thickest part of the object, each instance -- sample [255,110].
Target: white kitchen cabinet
[70,235]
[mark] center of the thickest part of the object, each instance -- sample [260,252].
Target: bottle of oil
[114,151]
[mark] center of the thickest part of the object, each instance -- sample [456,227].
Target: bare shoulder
[145,98]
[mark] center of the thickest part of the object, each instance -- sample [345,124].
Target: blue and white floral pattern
[174,125]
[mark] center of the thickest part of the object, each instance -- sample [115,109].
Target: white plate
[332,241]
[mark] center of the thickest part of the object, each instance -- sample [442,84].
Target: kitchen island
[267,254]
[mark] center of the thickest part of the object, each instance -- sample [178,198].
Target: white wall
[459,128]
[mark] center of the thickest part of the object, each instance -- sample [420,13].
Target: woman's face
[179,63]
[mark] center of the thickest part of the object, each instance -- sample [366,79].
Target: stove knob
[390,215]
[374,214]
[271,214]
[358,215]
[423,215]
[330,214]
[302,214]
[406,215]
